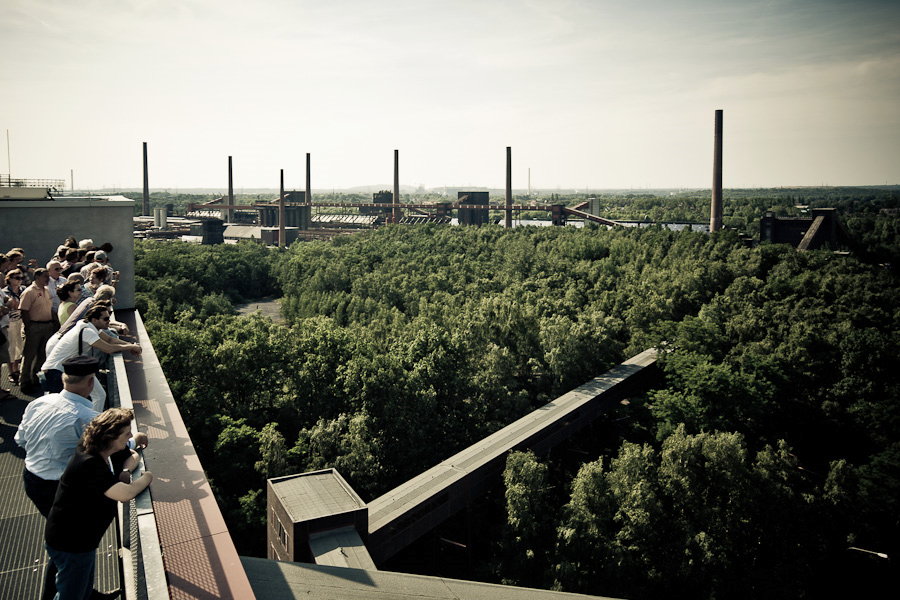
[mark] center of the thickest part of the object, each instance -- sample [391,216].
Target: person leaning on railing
[95,479]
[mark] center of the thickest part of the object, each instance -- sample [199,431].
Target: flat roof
[340,547]
[316,494]
[286,581]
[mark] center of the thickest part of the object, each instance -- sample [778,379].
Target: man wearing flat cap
[51,427]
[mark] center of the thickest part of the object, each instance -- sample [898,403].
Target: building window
[282,535]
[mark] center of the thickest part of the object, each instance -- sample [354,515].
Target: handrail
[143,573]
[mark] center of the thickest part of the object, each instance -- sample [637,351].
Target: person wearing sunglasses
[79,340]
[14,337]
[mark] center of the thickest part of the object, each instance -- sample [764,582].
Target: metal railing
[140,555]
[9,181]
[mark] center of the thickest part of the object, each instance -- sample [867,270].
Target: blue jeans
[75,573]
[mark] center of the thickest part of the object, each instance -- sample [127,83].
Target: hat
[81,365]
[100,254]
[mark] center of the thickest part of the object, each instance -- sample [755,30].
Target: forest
[769,451]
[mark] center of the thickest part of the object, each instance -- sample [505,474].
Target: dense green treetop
[405,344]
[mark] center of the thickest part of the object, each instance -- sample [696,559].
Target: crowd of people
[39,305]
[57,332]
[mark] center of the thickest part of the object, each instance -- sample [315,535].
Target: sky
[589,94]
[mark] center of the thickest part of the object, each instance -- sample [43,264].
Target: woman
[85,503]
[69,295]
[97,277]
[13,291]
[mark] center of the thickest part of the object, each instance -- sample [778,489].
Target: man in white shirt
[56,280]
[79,340]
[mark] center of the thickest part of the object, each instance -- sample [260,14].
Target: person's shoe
[14,378]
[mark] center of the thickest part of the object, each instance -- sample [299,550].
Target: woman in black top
[95,478]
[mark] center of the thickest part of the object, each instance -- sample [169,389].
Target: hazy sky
[589,94]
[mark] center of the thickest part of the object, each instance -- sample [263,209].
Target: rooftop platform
[23,559]
[170,542]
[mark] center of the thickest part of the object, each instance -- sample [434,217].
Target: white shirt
[67,347]
[52,285]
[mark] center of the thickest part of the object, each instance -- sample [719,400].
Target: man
[39,324]
[4,331]
[49,434]
[56,279]
[100,259]
[80,339]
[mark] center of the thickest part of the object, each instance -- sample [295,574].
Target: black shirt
[81,512]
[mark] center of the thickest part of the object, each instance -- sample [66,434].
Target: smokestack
[281,238]
[146,206]
[508,187]
[229,214]
[715,209]
[396,185]
[308,181]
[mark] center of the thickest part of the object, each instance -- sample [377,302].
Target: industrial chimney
[396,211]
[146,206]
[229,213]
[715,209]
[508,222]
[281,211]
[308,181]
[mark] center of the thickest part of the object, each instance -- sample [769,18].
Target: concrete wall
[39,226]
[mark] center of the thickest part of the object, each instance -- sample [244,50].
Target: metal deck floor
[22,555]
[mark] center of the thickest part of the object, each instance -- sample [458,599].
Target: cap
[100,254]
[81,365]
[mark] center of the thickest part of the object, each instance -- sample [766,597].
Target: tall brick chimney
[715,209]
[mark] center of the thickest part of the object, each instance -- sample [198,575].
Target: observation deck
[171,542]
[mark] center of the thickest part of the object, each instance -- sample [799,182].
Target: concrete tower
[715,209]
